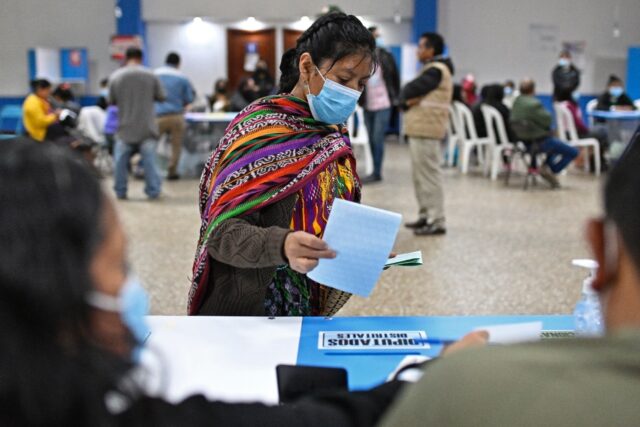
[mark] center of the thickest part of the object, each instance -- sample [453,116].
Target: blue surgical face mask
[335,102]
[380,41]
[508,90]
[133,305]
[616,91]
[104,93]
[575,95]
[564,62]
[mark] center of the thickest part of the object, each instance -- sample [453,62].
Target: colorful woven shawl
[269,152]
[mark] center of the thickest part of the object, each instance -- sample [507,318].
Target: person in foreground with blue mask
[585,382]
[72,315]
[267,189]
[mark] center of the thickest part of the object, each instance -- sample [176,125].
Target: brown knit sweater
[245,252]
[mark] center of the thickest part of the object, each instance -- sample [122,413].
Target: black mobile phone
[297,381]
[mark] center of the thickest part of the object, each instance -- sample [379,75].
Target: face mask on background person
[335,102]
[564,62]
[616,91]
[508,91]
[380,41]
[104,93]
[133,305]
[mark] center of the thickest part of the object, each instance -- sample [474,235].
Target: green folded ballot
[410,259]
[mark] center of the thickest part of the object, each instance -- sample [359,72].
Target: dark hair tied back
[331,37]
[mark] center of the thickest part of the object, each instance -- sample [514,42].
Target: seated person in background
[37,114]
[510,93]
[103,98]
[63,98]
[72,319]
[469,90]
[614,99]
[599,133]
[531,123]
[247,93]
[263,79]
[583,382]
[219,101]
[457,94]
[492,95]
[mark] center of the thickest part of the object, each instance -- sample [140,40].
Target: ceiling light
[197,20]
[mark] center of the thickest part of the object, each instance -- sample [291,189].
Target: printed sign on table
[371,340]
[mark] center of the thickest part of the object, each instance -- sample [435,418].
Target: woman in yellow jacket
[37,115]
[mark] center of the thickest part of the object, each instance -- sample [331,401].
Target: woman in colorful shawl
[267,190]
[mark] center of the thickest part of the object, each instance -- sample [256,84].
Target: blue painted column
[633,72]
[425,17]
[130,22]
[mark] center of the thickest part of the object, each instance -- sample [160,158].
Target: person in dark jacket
[379,99]
[565,75]
[71,318]
[263,79]
[493,96]
[247,93]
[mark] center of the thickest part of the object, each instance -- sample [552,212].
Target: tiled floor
[507,250]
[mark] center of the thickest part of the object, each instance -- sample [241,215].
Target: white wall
[26,24]
[203,50]
[203,47]
[491,37]
[273,10]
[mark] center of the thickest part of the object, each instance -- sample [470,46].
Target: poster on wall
[119,45]
[577,51]
[251,56]
[543,37]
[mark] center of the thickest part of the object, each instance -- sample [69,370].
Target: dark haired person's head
[337,47]
[60,241]
[173,59]
[430,45]
[41,87]
[220,86]
[133,54]
[493,94]
[63,93]
[615,87]
[615,242]
[527,86]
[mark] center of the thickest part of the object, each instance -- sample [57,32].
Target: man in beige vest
[574,382]
[426,100]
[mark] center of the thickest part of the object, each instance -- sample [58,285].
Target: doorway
[243,50]
[290,38]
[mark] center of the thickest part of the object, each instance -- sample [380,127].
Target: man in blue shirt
[170,112]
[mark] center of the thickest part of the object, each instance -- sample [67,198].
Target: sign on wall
[120,43]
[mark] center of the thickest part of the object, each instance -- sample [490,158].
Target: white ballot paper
[513,333]
[362,237]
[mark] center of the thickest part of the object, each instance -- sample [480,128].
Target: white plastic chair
[361,138]
[468,143]
[590,107]
[491,116]
[454,134]
[567,132]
